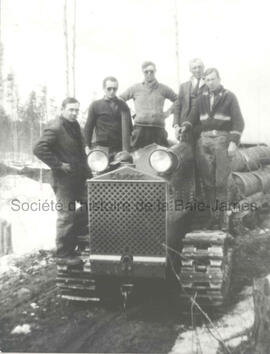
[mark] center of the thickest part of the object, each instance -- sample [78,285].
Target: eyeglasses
[149,71]
[111,88]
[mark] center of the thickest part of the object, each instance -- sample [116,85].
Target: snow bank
[238,320]
[24,203]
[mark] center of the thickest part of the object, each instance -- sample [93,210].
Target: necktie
[196,88]
[212,98]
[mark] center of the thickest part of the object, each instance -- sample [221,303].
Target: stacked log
[250,159]
[249,184]
[251,172]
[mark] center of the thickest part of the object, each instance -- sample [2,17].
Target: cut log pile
[251,171]
[249,184]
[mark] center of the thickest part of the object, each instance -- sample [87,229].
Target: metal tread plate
[203,273]
[79,298]
[75,282]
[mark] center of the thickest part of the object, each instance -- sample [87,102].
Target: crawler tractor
[146,222]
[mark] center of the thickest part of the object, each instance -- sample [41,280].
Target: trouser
[70,221]
[113,148]
[214,166]
[143,136]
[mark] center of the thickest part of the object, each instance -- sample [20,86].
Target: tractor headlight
[161,160]
[98,160]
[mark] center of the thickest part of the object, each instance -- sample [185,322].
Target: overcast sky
[114,37]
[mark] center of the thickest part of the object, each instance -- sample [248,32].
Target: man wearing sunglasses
[104,123]
[149,97]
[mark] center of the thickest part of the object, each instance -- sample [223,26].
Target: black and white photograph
[135,176]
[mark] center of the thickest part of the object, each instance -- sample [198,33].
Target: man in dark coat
[104,122]
[61,147]
[217,122]
[188,92]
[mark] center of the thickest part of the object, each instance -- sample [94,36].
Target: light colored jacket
[149,102]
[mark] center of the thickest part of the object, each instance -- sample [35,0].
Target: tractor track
[150,324]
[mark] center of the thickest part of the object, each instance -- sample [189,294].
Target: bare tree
[1,59]
[176,40]
[74,47]
[66,46]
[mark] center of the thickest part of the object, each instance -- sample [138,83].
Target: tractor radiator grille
[127,217]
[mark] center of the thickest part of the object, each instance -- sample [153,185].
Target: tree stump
[261,329]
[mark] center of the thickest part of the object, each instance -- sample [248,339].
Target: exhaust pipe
[126,131]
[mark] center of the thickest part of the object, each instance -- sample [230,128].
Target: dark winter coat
[182,105]
[225,114]
[103,126]
[62,141]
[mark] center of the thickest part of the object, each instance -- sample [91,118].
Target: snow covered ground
[28,206]
[230,329]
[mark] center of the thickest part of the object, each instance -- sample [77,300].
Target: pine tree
[12,102]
